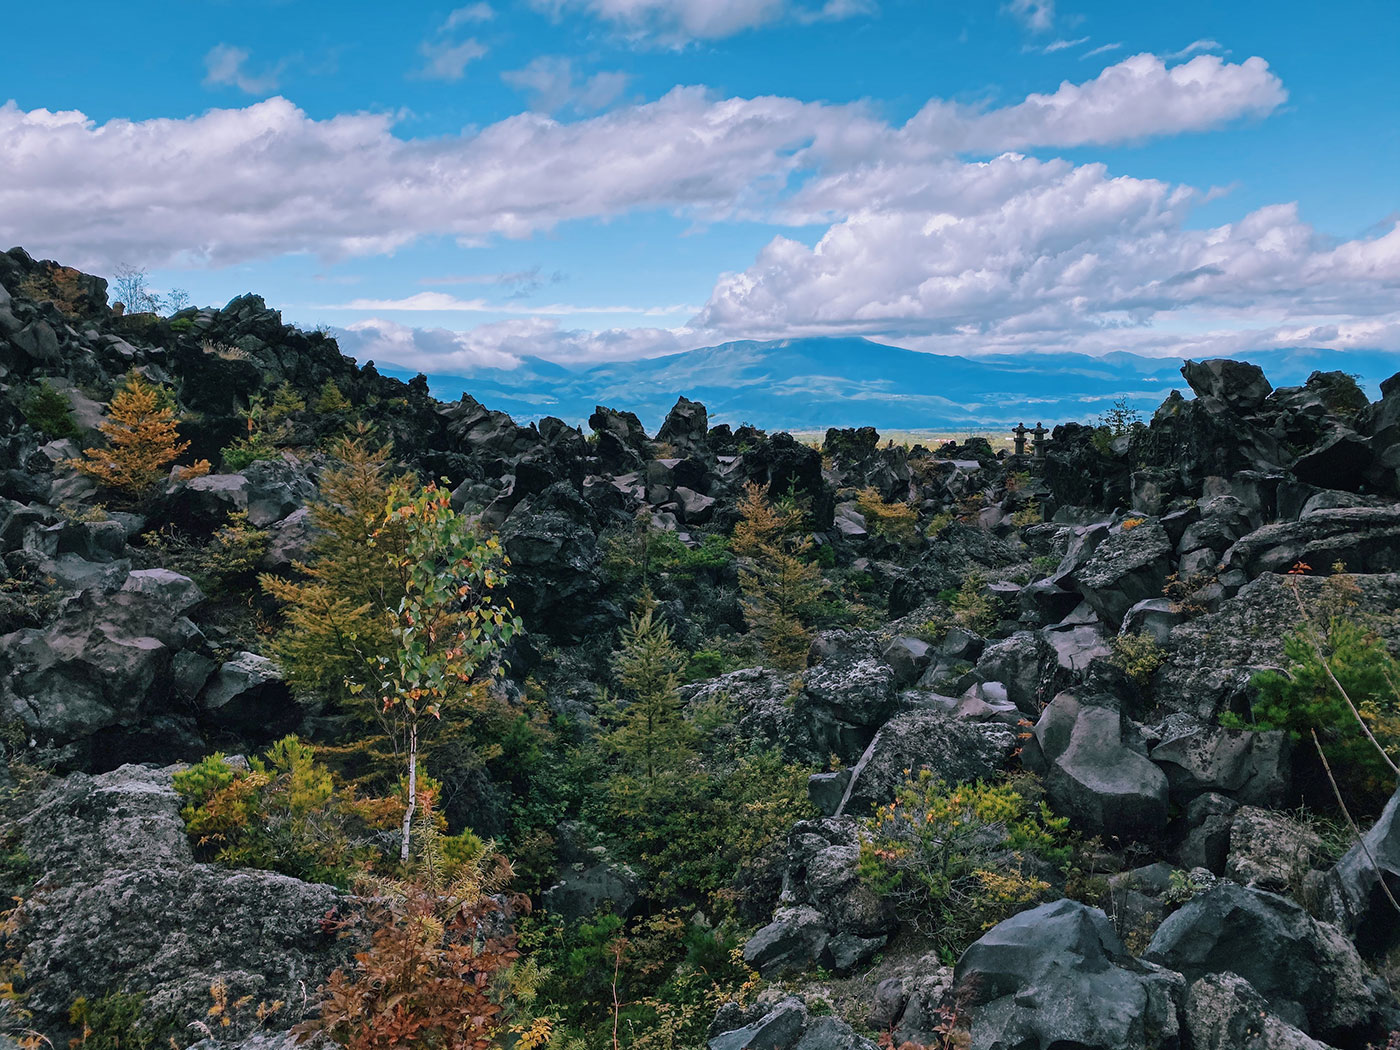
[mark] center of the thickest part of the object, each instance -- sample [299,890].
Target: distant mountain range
[809,384]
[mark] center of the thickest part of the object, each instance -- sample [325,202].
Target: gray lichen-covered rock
[177,593]
[1270,850]
[1224,1012]
[797,939]
[1308,971]
[1058,976]
[1247,766]
[952,749]
[121,905]
[1211,658]
[843,702]
[1130,565]
[583,889]
[1365,539]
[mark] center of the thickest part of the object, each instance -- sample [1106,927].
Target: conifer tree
[779,586]
[142,438]
[333,619]
[651,736]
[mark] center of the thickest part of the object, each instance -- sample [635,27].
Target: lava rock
[1092,775]
[1355,890]
[1308,971]
[1058,976]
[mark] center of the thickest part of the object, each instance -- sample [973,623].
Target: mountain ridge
[846,381]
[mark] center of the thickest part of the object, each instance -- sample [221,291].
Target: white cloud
[673,22]
[448,60]
[1197,46]
[1050,255]
[552,85]
[469,15]
[1136,98]
[520,283]
[441,302]
[231,185]
[1102,49]
[227,66]
[1062,45]
[502,344]
[1036,15]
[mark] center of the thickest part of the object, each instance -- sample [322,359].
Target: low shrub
[1138,656]
[956,860]
[896,522]
[283,813]
[47,411]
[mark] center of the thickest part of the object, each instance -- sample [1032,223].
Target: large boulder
[1028,665]
[1211,659]
[1224,1012]
[1270,850]
[686,428]
[1308,971]
[1239,384]
[1199,758]
[796,939]
[552,543]
[621,439]
[96,683]
[1093,776]
[1130,565]
[784,1025]
[843,702]
[1058,976]
[247,698]
[1365,539]
[584,888]
[952,749]
[177,593]
[203,504]
[828,916]
[761,711]
[1361,891]
[121,906]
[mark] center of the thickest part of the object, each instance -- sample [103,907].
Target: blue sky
[592,179]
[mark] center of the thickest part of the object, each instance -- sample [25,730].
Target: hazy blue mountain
[814,383]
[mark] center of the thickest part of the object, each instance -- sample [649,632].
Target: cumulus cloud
[1136,98]
[674,22]
[552,84]
[1049,254]
[230,185]
[227,66]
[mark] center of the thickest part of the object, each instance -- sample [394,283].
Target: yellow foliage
[143,440]
[779,586]
[897,522]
